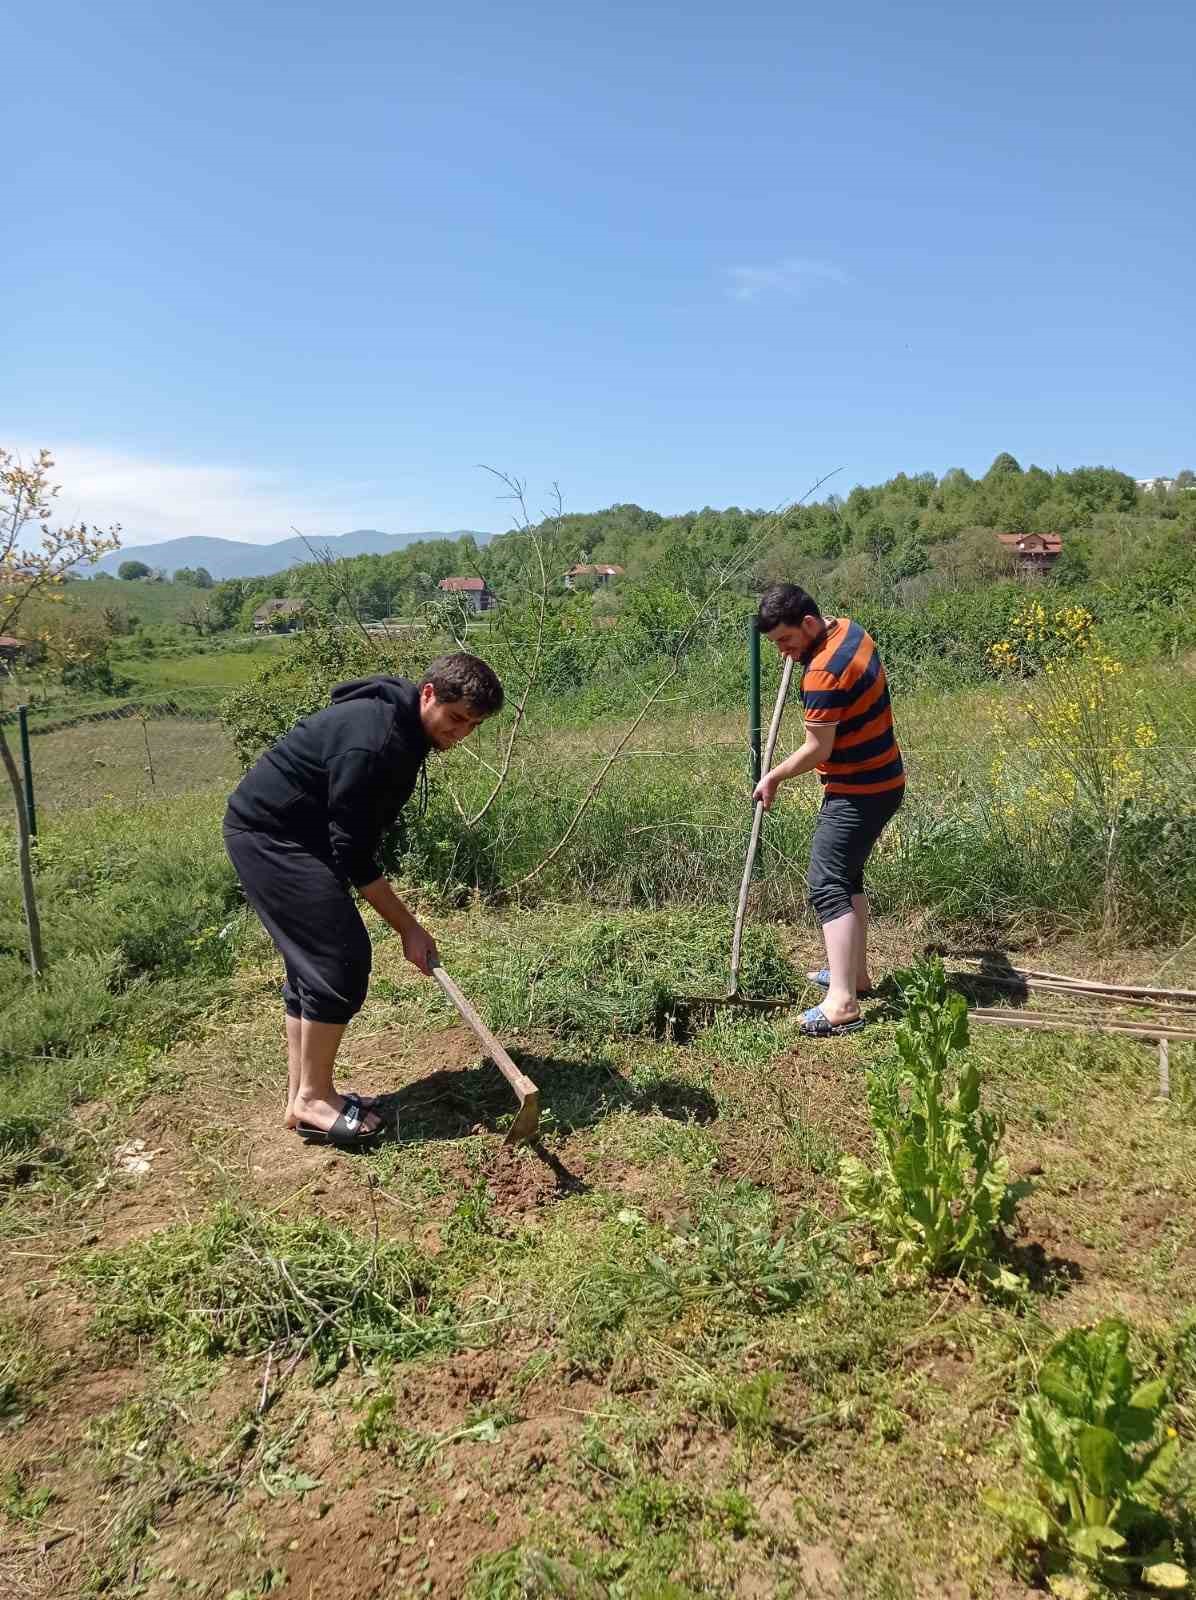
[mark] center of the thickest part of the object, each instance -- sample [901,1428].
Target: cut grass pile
[242,1283]
[612,976]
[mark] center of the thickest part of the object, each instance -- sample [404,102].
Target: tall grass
[138,920]
[670,827]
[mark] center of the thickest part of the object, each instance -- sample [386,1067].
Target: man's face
[446,722]
[793,640]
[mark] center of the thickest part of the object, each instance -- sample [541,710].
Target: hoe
[527,1118]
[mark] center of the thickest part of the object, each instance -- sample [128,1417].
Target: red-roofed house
[600,574]
[11,650]
[1036,553]
[475,592]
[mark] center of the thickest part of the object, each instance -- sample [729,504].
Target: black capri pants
[308,910]
[845,835]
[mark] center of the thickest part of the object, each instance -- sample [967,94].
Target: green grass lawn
[122,760]
[144,602]
[215,669]
[649,1357]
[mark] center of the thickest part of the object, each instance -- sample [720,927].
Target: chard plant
[941,1192]
[1102,1462]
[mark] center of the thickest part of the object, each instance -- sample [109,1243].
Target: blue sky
[306,264]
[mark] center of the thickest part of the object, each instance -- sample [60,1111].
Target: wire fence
[135,749]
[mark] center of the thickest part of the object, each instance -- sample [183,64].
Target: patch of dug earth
[516,1181]
[411,1515]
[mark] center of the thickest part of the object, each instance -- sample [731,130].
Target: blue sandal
[815,1024]
[823,979]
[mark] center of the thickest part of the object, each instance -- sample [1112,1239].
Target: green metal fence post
[754,697]
[27,764]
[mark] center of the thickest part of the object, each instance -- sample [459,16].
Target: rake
[733,996]
[527,1118]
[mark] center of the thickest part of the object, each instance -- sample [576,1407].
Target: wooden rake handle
[774,729]
[519,1081]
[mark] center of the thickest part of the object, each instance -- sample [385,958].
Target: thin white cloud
[155,500]
[795,277]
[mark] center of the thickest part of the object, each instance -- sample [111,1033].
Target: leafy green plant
[941,1192]
[1102,1460]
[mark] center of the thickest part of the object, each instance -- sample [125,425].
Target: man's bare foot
[323,1113]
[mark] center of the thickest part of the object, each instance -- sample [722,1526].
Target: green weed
[20,1501]
[610,977]
[1103,1463]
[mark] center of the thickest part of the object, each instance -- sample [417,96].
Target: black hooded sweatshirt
[337,781]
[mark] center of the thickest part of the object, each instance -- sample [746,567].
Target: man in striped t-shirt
[850,743]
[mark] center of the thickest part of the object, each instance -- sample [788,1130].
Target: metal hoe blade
[527,1118]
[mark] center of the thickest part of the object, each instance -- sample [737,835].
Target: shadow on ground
[573,1095]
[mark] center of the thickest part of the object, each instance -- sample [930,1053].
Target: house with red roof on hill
[599,574]
[1035,553]
[474,592]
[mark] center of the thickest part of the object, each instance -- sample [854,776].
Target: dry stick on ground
[733,567]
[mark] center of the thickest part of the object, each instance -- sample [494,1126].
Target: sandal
[348,1132]
[823,979]
[815,1024]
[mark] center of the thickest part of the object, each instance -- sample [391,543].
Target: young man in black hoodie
[303,828]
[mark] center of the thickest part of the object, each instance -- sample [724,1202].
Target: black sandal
[348,1132]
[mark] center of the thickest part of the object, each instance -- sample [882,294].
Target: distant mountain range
[230,558]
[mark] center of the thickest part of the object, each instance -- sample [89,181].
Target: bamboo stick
[1012,1019]
[1083,984]
[1037,986]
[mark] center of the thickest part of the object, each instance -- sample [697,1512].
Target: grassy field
[655,1356]
[216,669]
[233,1364]
[123,759]
[148,603]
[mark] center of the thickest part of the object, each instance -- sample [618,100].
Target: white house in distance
[473,592]
[1148,484]
[600,574]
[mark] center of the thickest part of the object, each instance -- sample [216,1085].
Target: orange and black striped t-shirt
[844,683]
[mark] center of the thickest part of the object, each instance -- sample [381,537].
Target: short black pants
[845,834]
[307,908]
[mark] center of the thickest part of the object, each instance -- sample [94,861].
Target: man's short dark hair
[464,677]
[784,605]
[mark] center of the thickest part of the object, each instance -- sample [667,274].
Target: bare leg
[317,1101]
[294,1052]
[294,1055]
[860,910]
[841,938]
